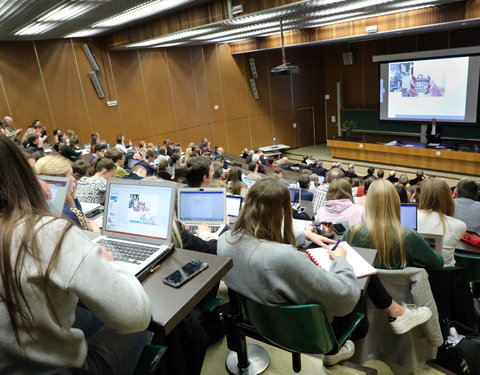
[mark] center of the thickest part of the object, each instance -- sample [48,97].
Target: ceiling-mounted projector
[285,68]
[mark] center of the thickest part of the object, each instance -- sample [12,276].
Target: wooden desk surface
[465,248]
[170,305]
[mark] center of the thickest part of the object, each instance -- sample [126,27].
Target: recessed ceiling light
[84,33]
[171,37]
[141,11]
[68,11]
[36,28]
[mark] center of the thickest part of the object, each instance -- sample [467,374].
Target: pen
[335,246]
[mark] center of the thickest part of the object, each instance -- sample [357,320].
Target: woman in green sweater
[397,247]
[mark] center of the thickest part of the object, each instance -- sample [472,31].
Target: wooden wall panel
[132,103]
[261,106]
[195,135]
[283,129]
[219,137]
[63,86]
[23,85]
[238,132]
[371,71]
[203,105]
[158,93]
[215,92]
[262,131]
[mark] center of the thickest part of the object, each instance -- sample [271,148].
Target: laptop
[234,205]
[137,222]
[295,195]
[202,206]
[408,215]
[59,189]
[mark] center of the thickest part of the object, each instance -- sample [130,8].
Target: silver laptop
[202,206]
[58,188]
[234,205]
[137,221]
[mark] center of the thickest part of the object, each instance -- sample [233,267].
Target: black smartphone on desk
[339,229]
[182,275]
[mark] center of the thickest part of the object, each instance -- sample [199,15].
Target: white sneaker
[412,317]
[346,351]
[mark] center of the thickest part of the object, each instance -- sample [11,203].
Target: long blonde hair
[339,189]
[55,165]
[436,196]
[382,209]
[266,211]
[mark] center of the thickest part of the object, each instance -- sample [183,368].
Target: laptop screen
[138,210]
[408,215]
[201,205]
[59,189]
[294,195]
[234,204]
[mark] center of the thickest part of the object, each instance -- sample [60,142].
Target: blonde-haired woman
[339,205]
[58,166]
[397,247]
[435,216]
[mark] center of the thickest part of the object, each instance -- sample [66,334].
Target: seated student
[118,157]
[62,138]
[402,193]
[179,174]
[149,157]
[47,268]
[313,178]
[304,183]
[467,208]
[380,174]
[419,177]
[234,182]
[162,171]
[68,150]
[34,143]
[271,162]
[435,216]
[253,175]
[339,206]
[269,269]
[392,177]
[92,189]
[397,247]
[138,172]
[99,152]
[80,168]
[318,168]
[120,145]
[58,166]
[198,172]
[370,173]
[95,140]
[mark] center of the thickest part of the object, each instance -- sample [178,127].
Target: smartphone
[339,229]
[94,212]
[182,275]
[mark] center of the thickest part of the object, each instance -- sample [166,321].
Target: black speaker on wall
[97,85]
[90,57]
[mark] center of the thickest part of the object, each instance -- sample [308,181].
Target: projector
[285,69]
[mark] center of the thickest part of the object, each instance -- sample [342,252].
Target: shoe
[346,351]
[412,317]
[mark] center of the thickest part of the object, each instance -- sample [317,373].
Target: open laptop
[202,206]
[295,195]
[234,205]
[59,189]
[408,215]
[137,221]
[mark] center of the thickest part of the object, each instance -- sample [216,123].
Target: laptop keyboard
[127,251]
[192,228]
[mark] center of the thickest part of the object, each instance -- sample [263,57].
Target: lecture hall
[199,187]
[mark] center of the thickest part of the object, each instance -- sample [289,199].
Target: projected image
[139,210]
[398,73]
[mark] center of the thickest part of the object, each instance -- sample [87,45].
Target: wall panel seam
[122,124]
[172,95]
[145,93]
[44,84]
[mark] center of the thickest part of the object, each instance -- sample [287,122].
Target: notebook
[234,205]
[408,215]
[59,189]
[361,267]
[137,222]
[202,206]
[295,195]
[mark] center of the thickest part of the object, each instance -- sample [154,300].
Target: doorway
[306,126]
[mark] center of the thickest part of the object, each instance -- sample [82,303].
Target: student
[120,145]
[118,157]
[162,171]
[149,157]
[68,150]
[92,189]
[467,208]
[198,172]
[304,183]
[99,152]
[269,269]
[435,216]
[234,182]
[138,172]
[397,247]
[58,166]
[47,267]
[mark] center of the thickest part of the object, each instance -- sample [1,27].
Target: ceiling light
[258,17]
[238,30]
[171,37]
[84,33]
[68,11]
[168,45]
[36,28]
[141,11]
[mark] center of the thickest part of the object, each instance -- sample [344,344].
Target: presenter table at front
[170,305]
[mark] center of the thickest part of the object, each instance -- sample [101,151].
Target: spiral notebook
[361,267]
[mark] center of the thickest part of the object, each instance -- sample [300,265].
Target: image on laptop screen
[59,189]
[294,195]
[201,206]
[408,215]
[138,210]
[234,204]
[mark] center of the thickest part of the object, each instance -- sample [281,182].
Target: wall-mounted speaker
[253,85]
[97,85]
[90,57]
[253,68]
[347,58]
